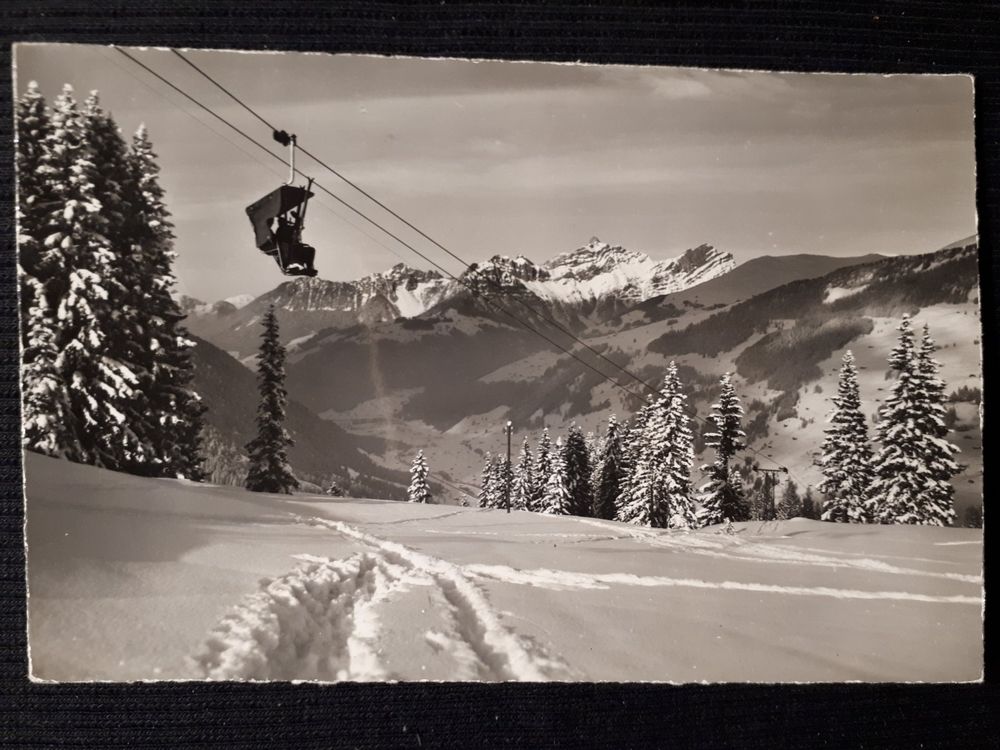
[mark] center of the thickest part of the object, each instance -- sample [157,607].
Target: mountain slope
[746,280]
[448,380]
[321,449]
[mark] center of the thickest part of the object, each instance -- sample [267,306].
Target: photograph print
[359,368]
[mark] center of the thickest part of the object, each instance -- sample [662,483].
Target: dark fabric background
[817,35]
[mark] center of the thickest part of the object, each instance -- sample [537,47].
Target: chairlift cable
[401,241]
[430,239]
[410,247]
[416,229]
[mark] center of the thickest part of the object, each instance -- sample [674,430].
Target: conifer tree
[790,505]
[660,487]
[505,482]
[418,491]
[543,468]
[847,454]
[809,509]
[556,499]
[176,411]
[721,497]
[33,196]
[88,383]
[936,451]
[631,439]
[487,494]
[914,466]
[524,480]
[610,471]
[49,423]
[269,470]
[77,265]
[577,471]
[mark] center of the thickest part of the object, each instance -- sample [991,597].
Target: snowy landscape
[137,579]
[521,459]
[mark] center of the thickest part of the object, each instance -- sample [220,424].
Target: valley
[447,375]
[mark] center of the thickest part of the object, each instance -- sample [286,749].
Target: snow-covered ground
[135,578]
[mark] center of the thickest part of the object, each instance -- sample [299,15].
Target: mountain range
[412,360]
[578,287]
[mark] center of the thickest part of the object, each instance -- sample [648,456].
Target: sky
[536,158]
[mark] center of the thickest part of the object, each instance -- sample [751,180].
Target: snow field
[503,654]
[134,578]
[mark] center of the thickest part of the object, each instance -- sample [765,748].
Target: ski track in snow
[501,653]
[320,621]
[317,622]
[735,548]
[563,579]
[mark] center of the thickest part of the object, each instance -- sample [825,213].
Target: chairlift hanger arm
[287,139]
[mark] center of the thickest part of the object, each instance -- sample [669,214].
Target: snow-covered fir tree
[846,453]
[609,472]
[577,471]
[419,491]
[33,197]
[630,440]
[487,492]
[721,497]
[543,468]
[225,462]
[268,452]
[503,481]
[88,382]
[913,467]
[50,426]
[659,492]
[524,480]
[175,408]
[76,275]
[938,453]
[556,498]
[595,446]
[790,504]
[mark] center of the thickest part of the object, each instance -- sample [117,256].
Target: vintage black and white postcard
[367,368]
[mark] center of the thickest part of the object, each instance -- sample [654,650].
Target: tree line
[640,471]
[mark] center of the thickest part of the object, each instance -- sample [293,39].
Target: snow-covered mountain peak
[693,266]
[400,275]
[240,300]
[600,270]
[506,271]
[569,283]
[593,259]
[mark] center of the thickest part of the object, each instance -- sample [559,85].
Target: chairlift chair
[286,205]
